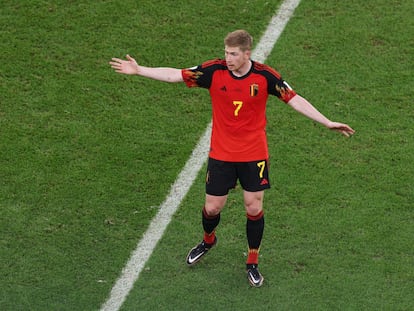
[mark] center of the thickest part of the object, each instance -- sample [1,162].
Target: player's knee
[253,207]
[253,210]
[253,203]
[212,210]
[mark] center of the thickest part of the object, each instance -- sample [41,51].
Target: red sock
[253,257]
[209,238]
[209,225]
[254,229]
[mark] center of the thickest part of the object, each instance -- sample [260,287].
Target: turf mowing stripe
[185,179]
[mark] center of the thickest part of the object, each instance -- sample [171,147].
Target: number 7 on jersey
[238,105]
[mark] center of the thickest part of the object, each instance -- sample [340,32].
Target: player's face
[236,59]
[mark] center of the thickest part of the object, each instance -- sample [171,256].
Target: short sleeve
[282,90]
[275,84]
[193,77]
[202,75]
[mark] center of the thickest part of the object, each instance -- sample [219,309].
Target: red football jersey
[238,107]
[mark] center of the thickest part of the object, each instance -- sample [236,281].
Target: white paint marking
[274,30]
[185,179]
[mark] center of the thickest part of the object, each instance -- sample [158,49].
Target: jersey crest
[254,89]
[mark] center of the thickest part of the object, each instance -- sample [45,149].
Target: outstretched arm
[131,67]
[301,105]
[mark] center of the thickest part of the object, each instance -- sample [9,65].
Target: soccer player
[239,88]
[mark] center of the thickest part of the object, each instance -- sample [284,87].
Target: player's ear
[248,54]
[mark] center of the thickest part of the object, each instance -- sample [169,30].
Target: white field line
[185,179]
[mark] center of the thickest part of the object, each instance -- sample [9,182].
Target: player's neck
[243,69]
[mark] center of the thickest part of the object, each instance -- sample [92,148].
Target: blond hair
[239,38]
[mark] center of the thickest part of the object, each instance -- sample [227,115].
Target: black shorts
[222,176]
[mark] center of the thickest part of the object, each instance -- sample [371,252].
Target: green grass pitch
[87,156]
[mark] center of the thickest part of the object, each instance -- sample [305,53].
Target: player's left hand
[342,128]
